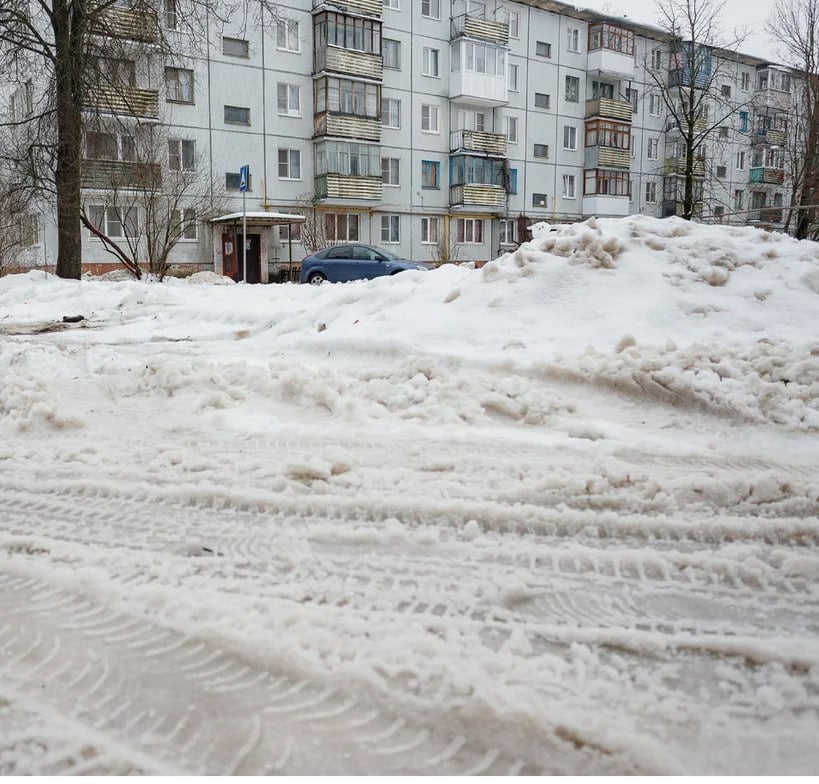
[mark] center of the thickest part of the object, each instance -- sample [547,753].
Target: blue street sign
[244,177]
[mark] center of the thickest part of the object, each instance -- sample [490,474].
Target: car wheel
[316,278]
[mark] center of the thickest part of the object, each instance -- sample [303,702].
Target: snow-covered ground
[556,515]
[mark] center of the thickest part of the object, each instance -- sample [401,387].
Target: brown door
[229,266]
[253,272]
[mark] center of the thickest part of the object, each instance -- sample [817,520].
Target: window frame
[288,30]
[245,123]
[431,62]
[432,111]
[290,153]
[572,95]
[392,171]
[570,131]
[392,224]
[289,89]
[245,55]
[178,86]
[466,230]
[430,175]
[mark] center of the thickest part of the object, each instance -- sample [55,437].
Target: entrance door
[253,273]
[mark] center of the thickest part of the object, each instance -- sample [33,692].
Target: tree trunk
[68,43]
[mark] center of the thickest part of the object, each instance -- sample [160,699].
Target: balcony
[127,101]
[774,136]
[116,175]
[672,126]
[126,24]
[600,157]
[477,195]
[365,7]
[478,88]
[347,126]
[477,141]
[677,166]
[671,207]
[345,61]
[610,108]
[482,29]
[611,50]
[766,176]
[346,186]
[605,206]
[767,215]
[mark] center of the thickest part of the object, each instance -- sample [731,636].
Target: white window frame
[186,219]
[514,76]
[112,216]
[741,160]
[569,186]
[390,229]
[656,59]
[745,81]
[430,230]
[184,154]
[512,19]
[432,111]
[393,5]
[431,62]
[393,171]
[575,92]
[572,39]
[290,90]
[651,192]
[390,109]
[654,105]
[507,232]
[287,35]
[433,9]
[466,230]
[387,43]
[291,154]
[177,89]
[653,147]
[512,130]
[570,137]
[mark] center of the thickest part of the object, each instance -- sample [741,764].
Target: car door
[368,262]
[339,264]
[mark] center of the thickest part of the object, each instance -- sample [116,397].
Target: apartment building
[438,130]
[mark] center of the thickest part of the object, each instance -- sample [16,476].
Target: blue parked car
[341,263]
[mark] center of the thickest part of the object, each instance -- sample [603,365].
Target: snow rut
[196,707]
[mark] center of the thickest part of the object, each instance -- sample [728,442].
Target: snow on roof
[260,217]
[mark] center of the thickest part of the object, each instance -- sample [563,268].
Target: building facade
[438,129]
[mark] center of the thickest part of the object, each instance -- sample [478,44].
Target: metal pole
[244,238]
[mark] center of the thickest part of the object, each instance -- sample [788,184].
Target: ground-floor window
[469,231]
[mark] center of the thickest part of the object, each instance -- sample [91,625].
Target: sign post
[244,178]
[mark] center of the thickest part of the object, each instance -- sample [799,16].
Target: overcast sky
[738,13]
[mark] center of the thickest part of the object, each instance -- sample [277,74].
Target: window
[541,151]
[349,158]
[738,195]
[612,37]
[234,179]
[113,222]
[651,192]
[169,14]
[512,130]
[476,9]
[514,70]
[512,184]
[745,81]
[573,39]
[723,132]
[607,182]
[237,115]
[569,137]
[512,19]
[290,232]
[100,146]
[725,90]
[652,153]
[569,186]
[540,200]
[390,229]
[391,112]
[508,231]
[289,164]
[543,49]
[341,227]
[287,35]
[654,105]
[235,47]
[608,133]
[114,71]
[289,99]
[183,223]
[743,122]
[572,89]
[721,171]
[430,174]
[181,154]
[541,100]
[332,94]
[656,60]
[390,168]
[179,85]
[602,90]
[431,9]
[429,61]
[741,160]
[391,51]
[393,4]
[719,211]
[632,97]
[469,231]
[429,231]
[478,58]
[429,118]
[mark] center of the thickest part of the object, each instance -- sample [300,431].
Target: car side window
[338,253]
[360,253]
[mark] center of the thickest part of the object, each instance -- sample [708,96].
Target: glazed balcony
[774,136]
[335,59]
[346,186]
[765,175]
[365,7]
[470,26]
[677,166]
[125,101]
[347,126]
[609,108]
[477,141]
[126,24]
[611,50]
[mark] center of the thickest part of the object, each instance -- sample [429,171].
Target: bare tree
[314,233]
[74,49]
[690,89]
[794,24]
[13,217]
[140,208]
